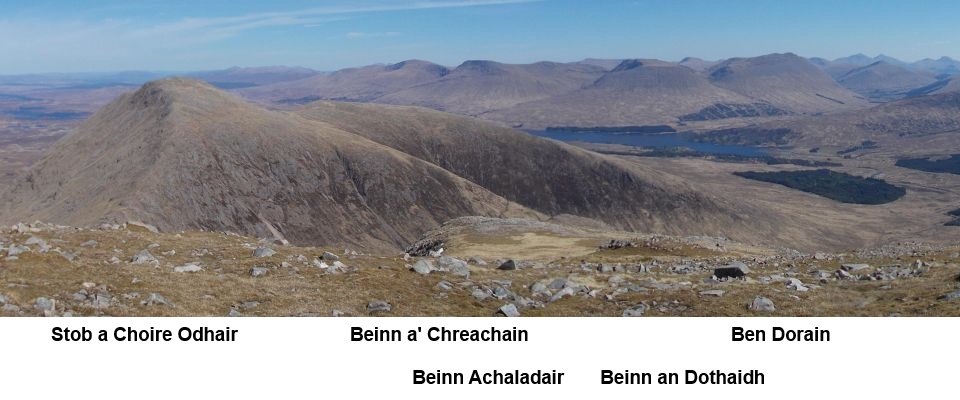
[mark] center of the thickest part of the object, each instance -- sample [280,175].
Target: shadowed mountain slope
[547,176]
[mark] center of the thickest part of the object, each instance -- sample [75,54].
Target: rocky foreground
[132,270]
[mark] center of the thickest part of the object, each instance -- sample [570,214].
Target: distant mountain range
[588,93]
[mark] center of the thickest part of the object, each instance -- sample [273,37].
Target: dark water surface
[651,140]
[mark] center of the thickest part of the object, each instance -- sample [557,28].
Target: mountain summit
[183,155]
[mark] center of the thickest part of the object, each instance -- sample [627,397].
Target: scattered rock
[89,243]
[502,293]
[14,250]
[234,313]
[795,284]
[169,253]
[155,299]
[422,267]
[424,247]
[539,288]
[481,294]
[557,284]
[44,304]
[144,257]
[635,311]
[735,269]
[764,304]
[328,256]
[258,271]
[249,304]
[444,285]
[565,292]
[70,256]
[954,295]
[843,274]
[153,246]
[508,265]
[189,267]
[712,293]
[35,241]
[477,261]
[509,310]
[263,252]
[854,267]
[141,225]
[456,266]
[617,244]
[378,306]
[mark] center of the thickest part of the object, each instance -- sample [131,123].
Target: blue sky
[172,35]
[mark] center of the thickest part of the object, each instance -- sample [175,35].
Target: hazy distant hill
[238,77]
[884,81]
[697,64]
[637,92]
[605,63]
[477,87]
[352,84]
[940,66]
[786,81]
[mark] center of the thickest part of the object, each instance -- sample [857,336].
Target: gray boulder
[635,311]
[508,265]
[477,261]
[155,299]
[764,304]
[538,288]
[854,267]
[954,295]
[455,266]
[557,284]
[328,256]
[14,250]
[43,304]
[378,306]
[795,284]
[566,292]
[263,252]
[481,294]
[509,310]
[258,271]
[502,293]
[188,268]
[143,257]
[735,269]
[422,267]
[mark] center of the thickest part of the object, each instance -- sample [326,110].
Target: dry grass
[298,289]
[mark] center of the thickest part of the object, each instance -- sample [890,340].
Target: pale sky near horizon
[114,35]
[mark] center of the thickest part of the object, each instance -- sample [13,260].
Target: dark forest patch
[837,186]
